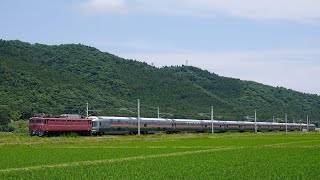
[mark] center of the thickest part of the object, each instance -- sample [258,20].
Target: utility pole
[273,119]
[186,62]
[139,117]
[212,119]
[286,122]
[307,122]
[255,121]
[158,112]
[87,110]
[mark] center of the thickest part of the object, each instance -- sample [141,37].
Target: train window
[205,125]
[220,125]
[100,123]
[145,125]
[94,124]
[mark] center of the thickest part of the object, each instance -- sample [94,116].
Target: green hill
[61,79]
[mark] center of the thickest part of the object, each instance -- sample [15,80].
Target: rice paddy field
[179,156]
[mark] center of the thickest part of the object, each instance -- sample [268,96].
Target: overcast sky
[275,42]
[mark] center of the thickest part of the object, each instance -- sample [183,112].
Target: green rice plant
[187,156]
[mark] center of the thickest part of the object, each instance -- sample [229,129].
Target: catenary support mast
[87,110]
[139,117]
[212,119]
[255,121]
[286,122]
[307,122]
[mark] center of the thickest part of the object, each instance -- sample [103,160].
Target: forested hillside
[61,79]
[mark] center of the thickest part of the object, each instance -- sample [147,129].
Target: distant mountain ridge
[62,78]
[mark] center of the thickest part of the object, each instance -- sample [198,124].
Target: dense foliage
[61,79]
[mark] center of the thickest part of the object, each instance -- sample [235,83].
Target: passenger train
[99,125]
[129,125]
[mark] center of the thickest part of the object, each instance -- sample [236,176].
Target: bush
[20,127]
[159,134]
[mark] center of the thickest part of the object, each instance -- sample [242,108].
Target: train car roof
[128,118]
[110,117]
[189,120]
[156,119]
[194,120]
[59,118]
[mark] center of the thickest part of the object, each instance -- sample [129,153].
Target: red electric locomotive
[42,126]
